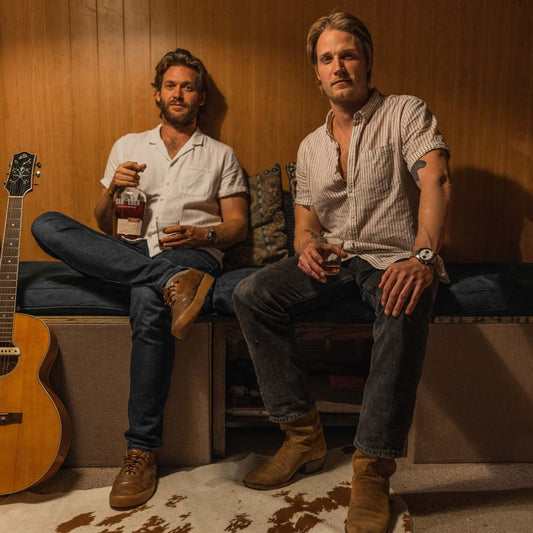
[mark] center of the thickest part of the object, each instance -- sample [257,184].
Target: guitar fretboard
[9,264]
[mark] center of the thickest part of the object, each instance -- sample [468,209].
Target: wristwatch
[212,237]
[426,256]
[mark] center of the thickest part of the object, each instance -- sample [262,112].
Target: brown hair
[344,22]
[182,58]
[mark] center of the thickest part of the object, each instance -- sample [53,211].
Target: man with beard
[197,184]
[376,176]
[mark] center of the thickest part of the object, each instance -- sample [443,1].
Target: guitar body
[34,447]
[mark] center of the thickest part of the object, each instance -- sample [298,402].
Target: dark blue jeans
[264,303]
[111,259]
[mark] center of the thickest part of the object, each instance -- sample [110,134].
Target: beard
[183,118]
[349,93]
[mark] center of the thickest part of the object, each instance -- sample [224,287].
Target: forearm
[403,282]
[230,232]
[103,212]
[303,236]
[307,227]
[433,214]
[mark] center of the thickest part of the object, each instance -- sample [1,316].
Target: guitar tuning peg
[38,164]
[38,173]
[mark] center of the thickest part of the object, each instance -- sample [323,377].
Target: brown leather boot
[135,483]
[185,296]
[369,510]
[304,450]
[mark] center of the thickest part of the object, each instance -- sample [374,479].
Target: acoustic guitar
[34,424]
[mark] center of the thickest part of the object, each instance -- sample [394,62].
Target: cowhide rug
[208,499]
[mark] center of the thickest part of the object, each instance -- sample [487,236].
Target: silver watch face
[426,255]
[212,236]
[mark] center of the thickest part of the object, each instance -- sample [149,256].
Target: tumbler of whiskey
[162,225]
[331,251]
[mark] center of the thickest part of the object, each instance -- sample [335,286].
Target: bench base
[475,397]
[91,376]
[474,404]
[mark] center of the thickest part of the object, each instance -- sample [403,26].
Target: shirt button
[168,183]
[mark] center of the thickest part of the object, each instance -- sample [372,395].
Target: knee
[266,288]
[245,292]
[46,224]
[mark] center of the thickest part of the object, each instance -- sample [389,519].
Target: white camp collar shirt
[185,188]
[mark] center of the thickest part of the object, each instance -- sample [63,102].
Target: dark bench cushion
[479,289]
[53,288]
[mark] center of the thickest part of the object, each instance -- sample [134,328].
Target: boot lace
[171,294]
[133,463]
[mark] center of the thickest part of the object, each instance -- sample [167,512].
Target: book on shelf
[337,407]
[247,410]
[321,405]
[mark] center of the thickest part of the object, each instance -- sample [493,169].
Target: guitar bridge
[10,356]
[9,350]
[10,418]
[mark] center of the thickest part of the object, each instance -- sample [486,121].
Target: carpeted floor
[443,498]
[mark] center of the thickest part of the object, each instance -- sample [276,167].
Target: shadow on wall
[214,111]
[488,220]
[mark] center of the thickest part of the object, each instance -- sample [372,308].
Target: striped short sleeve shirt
[375,210]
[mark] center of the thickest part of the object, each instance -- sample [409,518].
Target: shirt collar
[375,100]
[154,136]
[365,113]
[197,139]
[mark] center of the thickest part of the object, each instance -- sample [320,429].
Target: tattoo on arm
[313,233]
[308,207]
[416,167]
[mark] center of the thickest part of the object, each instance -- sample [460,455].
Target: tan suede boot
[185,296]
[304,450]
[369,510]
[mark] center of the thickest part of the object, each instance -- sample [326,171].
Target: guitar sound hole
[8,364]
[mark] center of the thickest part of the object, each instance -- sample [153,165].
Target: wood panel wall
[76,74]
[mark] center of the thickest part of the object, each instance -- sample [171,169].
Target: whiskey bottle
[128,213]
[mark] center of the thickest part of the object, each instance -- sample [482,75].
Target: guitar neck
[9,265]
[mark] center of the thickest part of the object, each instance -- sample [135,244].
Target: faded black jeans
[264,303]
[112,259]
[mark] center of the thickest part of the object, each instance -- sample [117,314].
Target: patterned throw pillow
[267,239]
[291,172]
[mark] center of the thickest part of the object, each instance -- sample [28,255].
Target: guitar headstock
[20,178]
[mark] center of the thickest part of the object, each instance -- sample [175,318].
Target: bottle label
[128,201]
[129,226]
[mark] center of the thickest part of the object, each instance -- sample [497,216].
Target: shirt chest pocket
[195,182]
[376,170]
